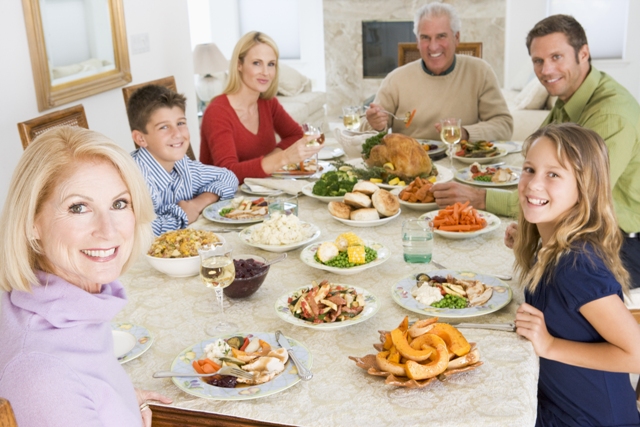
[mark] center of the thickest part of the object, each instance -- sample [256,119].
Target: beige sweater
[470,93]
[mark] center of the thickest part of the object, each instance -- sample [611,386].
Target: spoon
[276,259]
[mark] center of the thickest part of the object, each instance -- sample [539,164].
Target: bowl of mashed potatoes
[280,233]
[175,253]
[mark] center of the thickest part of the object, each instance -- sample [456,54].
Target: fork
[225,370]
[499,276]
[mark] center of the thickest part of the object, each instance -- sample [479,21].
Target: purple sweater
[57,366]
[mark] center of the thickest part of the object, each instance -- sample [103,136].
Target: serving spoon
[276,259]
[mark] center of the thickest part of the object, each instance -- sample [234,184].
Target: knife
[507,327]
[498,276]
[304,373]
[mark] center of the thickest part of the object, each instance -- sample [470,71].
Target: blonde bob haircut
[243,46]
[591,221]
[46,163]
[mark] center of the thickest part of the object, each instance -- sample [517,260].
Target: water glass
[285,205]
[417,240]
[351,117]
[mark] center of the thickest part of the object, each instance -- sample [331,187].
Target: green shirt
[604,106]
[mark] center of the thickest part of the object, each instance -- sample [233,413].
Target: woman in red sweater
[238,128]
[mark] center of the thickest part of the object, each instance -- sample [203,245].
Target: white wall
[167,24]
[522,16]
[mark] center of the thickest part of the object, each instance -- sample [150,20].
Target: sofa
[298,99]
[529,107]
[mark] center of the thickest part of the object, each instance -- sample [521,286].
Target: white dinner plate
[125,334]
[444,175]
[198,387]
[493,222]
[401,293]
[424,207]
[307,190]
[373,223]
[436,151]
[308,257]
[328,153]
[323,167]
[482,160]
[464,175]
[212,213]
[245,237]
[263,192]
[371,307]
[508,146]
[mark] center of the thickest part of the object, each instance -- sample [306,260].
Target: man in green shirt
[561,60]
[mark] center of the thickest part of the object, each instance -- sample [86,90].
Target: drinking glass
[450,133]
[417,240]
[351,117]
[217,271]
[285,205]
[313,130]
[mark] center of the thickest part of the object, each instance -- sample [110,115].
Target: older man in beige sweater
[441,85]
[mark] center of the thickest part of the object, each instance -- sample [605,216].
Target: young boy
[180,188]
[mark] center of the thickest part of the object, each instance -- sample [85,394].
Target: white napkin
[634,301]
[289,186]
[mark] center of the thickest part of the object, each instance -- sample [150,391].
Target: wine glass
[450,133]
[315,131]
[351,117]
[217,271]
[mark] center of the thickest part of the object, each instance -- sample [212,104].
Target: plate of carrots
[462,221]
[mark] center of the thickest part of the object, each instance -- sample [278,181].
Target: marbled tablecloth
[502,392]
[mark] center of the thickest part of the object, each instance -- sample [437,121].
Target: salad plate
[308,257]
[493,222]
[295,174]
[502,294]
[198,387]
[433,152]
[307,190]
[328,153]
[371,307]
[245,237]
[212,213]
[372,223]
[481,160]
[444,175]
[130,341]
[508,146]
[264,191]
[464,175]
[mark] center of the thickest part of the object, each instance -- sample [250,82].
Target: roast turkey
[404,153]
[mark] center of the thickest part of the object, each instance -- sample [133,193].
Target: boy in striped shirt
[180,187]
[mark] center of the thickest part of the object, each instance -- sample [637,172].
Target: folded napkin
[289,186]
[351,141]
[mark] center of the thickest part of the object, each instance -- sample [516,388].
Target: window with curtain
[277,18]
[604,21]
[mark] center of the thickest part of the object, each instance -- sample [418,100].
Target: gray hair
[437,9]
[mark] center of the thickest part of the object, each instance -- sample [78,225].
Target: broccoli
[334,183]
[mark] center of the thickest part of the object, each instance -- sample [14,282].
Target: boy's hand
[510,235]
[194,207]
[530,324]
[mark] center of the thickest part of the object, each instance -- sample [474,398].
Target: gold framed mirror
[78,48]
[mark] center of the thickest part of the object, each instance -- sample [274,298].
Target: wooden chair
[408,52]
[169,82]
[30,129]
[7,418]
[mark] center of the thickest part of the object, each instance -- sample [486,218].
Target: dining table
[500,392]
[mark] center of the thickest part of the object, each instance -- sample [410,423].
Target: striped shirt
[187,180]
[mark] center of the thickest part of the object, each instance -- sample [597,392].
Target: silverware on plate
[507,327]
[225,370]
[499,276]
[303,372]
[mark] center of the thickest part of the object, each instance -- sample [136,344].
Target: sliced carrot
[413,113]
[244,344]
[208,369]
[197,367]
[209,362]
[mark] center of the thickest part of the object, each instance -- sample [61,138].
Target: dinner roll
[385,203]
[340,210]
[357,200]
[366,214]
[365,187]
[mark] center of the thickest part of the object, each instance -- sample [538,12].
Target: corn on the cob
[356,254]
[349,239]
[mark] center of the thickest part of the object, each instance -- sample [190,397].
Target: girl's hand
[143,397]
[510,235]
[530,324]
[300,151]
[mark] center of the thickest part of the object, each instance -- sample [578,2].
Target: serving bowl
[176,267]
[244,287]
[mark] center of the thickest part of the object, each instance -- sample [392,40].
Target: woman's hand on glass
[300,150]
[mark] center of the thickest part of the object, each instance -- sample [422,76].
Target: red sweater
[225,142]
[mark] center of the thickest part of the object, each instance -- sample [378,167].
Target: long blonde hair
[46,162]
[591,220]
[245,43]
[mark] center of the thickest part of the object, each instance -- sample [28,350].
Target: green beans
[484,178]
[451,301]
[342,260]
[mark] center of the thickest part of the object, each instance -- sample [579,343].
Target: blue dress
[570,395]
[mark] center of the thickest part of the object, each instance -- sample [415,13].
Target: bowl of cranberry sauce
[250,274]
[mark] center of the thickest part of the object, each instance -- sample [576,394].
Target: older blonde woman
[239,127]
[77,213]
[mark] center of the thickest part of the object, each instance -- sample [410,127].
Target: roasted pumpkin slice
[387,341]
[456,342]
[404,325]
[422,371]
[421,326]
[400,341]
[386,365]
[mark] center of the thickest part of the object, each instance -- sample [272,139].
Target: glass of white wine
[217,271]
[450,133]
[351,117]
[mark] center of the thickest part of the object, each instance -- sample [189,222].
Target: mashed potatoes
[426,294]
[280,230]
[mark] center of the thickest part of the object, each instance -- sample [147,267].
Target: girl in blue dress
[566,248]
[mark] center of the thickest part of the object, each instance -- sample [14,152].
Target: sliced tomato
[258,201]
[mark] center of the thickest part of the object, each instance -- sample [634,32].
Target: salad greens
[370,143]
[335,183]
